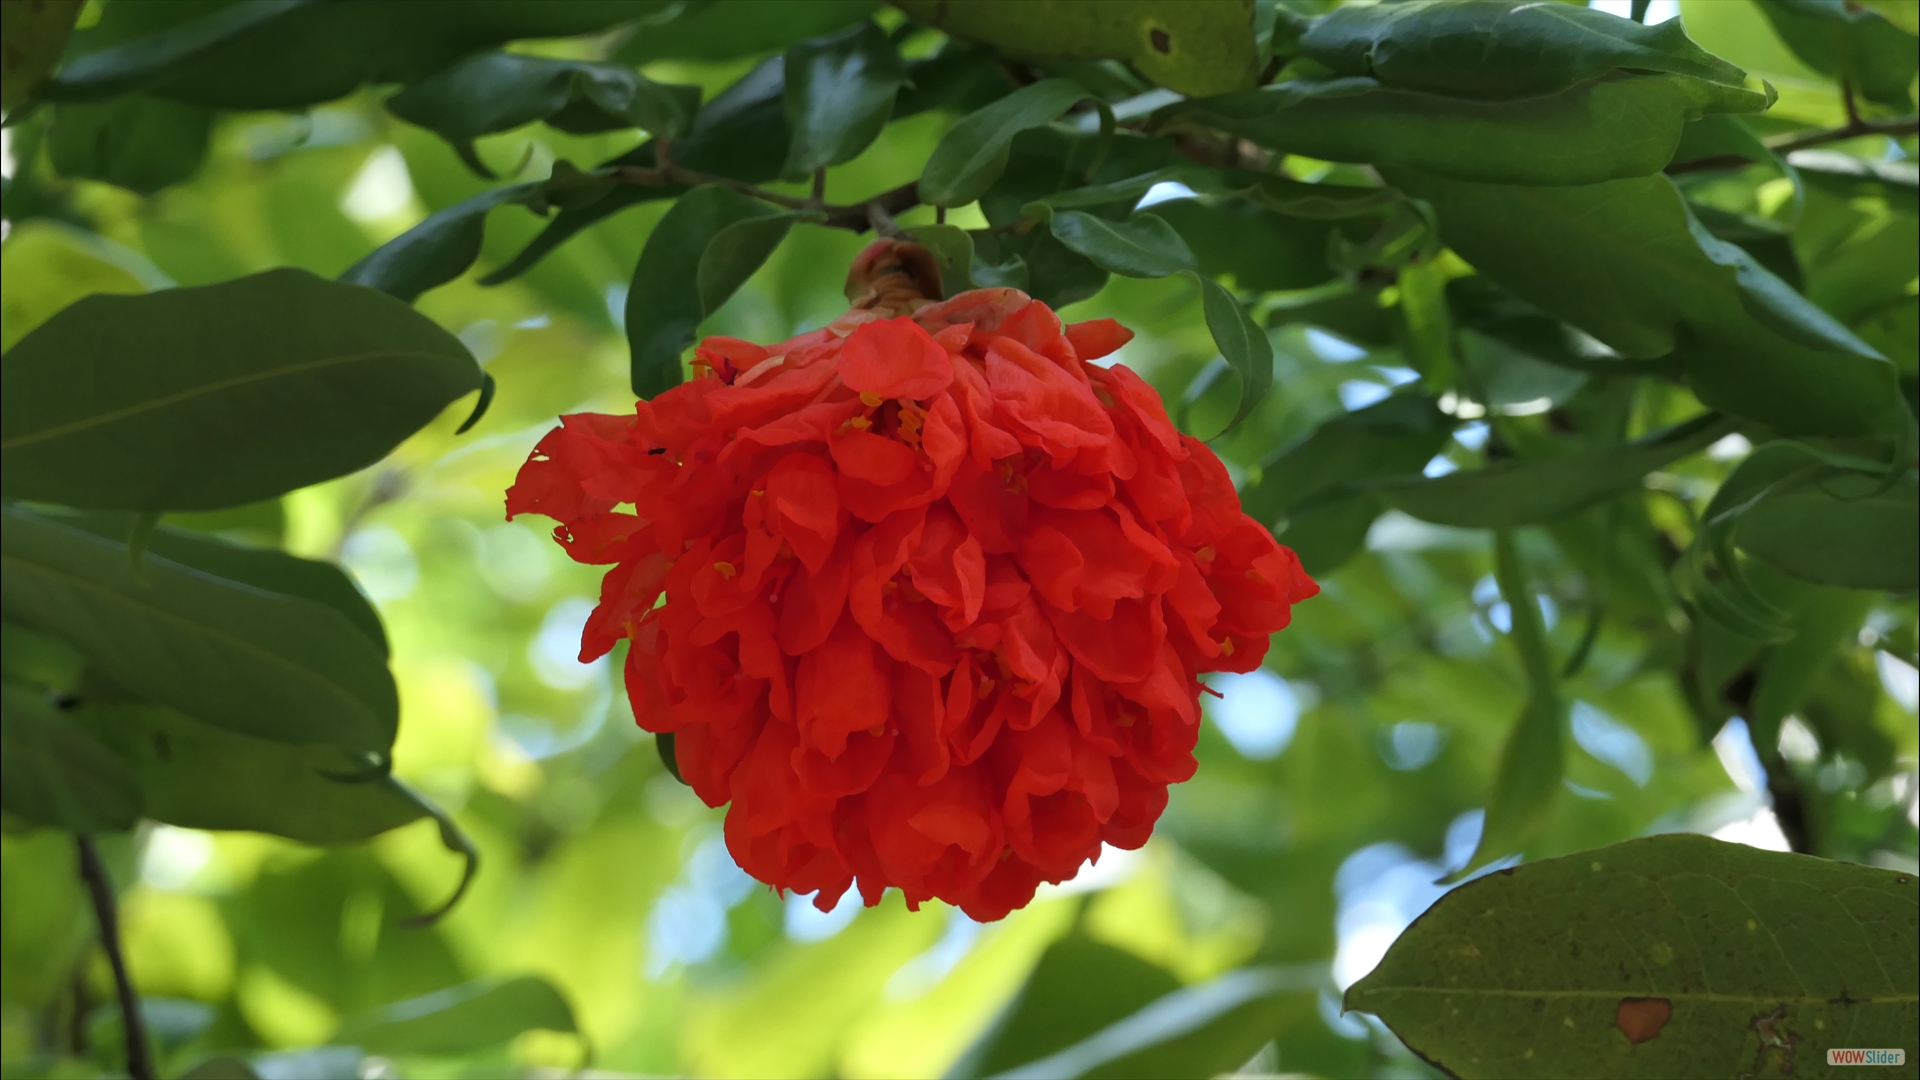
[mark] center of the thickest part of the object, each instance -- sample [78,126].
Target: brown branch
[133,1024]
[1787,144]
[854,218]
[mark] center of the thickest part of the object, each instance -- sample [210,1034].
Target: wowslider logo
[1866,1057]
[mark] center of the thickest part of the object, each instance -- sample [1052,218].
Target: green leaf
[1825,623]
[200,398]
[35,35]
[700,252]
[136,142]
[1605,129]
[1291,197]
[48,265]
[200,776]
[1392,437]
[1242,343]
[1849,42]
[1262,250]
[57,774]
[438,249]
[973,152]
[840,91]
[472,1016]
[1670,955]
[501,91]
[266,664]
[732,29]
[1495,50]
[1839,530]
[278,54]
[952,250]
[1526,782]
[1522,492]
[1078,987]
[1625,262]
[1143,246]
[1194,49]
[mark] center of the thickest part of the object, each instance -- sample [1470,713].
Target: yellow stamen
[725,570]
[870,399]
[1226,647]
[859,423]
[1205,554]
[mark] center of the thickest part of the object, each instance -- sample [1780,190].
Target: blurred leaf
[501,91]
[1242,343]
[474,1016]
[46,266]
[195,399]
[700,252]
[35,34]
[731,29]
[1670,955]
[56,773]
[37,660]
[1142,246]
[264,664]
[1261,249]
[1527,780]
[1626,262]
[1605,129]
[1838,531]
[1849,42]
[1427,324]
[1392,437]
[1078,987]
[973,152]
[1292,197]
[1495,50]
[1517,492]
[839,93]
[278,54]
[223,1067]
[438,249]
[1825,622]
[1195,49]
[137,142]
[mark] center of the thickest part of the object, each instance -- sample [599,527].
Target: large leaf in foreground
[57,774]
[260,663]
[202,398]
[1670,955]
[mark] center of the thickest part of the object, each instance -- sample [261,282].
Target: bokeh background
[1336,785]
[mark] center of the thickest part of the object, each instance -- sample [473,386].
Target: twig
[882,221]
[1787,144]
[133,1024]
[854,218]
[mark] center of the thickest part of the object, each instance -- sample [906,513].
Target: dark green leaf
[731,29]
[1495,50]
[952,250]
[137,142]
[707,245]
[973,153]
[1196,49]
[265,664]
[1605,129]
[1851,43]
[200,398]
[1261,250]
[57,774]
[276,54]
[501,91]
[1242,343]
[473,1016]
[1143,246]
[1838,531]
[35,34]
[1509,493]
[1393,437]
[1671,955]
[840,91]
[1625,262]
[435,251]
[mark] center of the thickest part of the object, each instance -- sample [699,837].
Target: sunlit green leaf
[35,34]
[473,1016]
[1850,42]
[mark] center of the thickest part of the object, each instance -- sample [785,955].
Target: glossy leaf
[1143,246]
[501,91]
[1626,263]
[1671,955]
[706,246]
[139,143]
[1852,43]
[1603,129]
[435,251]
[839,93]
[269,665]
[973,152]
[35,34]
[1517,492]
[1193,48]
[200,398]
[1242,343]
[473,1016]
[276,54]
[56,773]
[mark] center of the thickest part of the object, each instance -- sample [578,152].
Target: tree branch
[1787,144]
[133,1024]
[855,218]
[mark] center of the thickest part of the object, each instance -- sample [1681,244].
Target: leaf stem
[133,1024]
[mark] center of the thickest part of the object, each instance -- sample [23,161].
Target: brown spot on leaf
[1640,1019]
[1162,41]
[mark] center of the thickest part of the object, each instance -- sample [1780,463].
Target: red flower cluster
[937,589]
